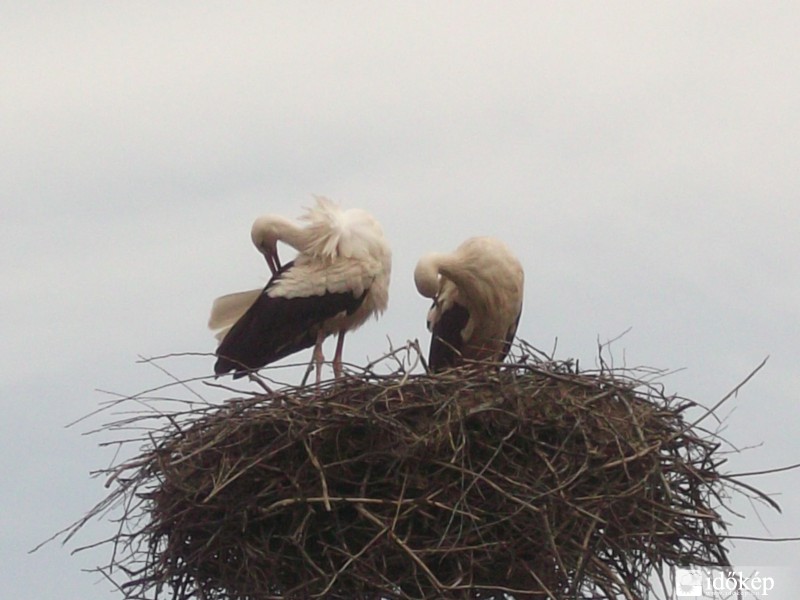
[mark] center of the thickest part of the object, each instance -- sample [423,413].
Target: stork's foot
[337,357]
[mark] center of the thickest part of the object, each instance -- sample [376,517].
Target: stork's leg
[318,355]
[316,360]
[337,358]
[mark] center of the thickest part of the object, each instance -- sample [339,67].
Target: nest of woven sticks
[533,480]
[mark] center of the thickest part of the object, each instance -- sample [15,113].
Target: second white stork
[339,278]
[477,302]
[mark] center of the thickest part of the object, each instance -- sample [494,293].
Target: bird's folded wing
[275,327]
[446,341]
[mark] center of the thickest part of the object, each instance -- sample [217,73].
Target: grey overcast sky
[642,159]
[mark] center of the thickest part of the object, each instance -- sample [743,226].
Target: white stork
[339,278]
[477,301]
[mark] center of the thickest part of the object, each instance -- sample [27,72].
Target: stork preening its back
[339,278]
[477,301]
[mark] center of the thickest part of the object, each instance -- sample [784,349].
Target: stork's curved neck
[455,270]
[463,273]
[269,230]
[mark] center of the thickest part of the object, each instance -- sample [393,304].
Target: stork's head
[426,275]
[265,235]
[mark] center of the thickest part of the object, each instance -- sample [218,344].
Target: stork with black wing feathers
[339,278]
[477,301]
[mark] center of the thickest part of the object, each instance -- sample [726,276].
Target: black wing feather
[446,342]
[275,327]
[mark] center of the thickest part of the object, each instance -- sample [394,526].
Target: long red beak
[273,262]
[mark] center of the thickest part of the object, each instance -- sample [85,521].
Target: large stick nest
[533,480]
